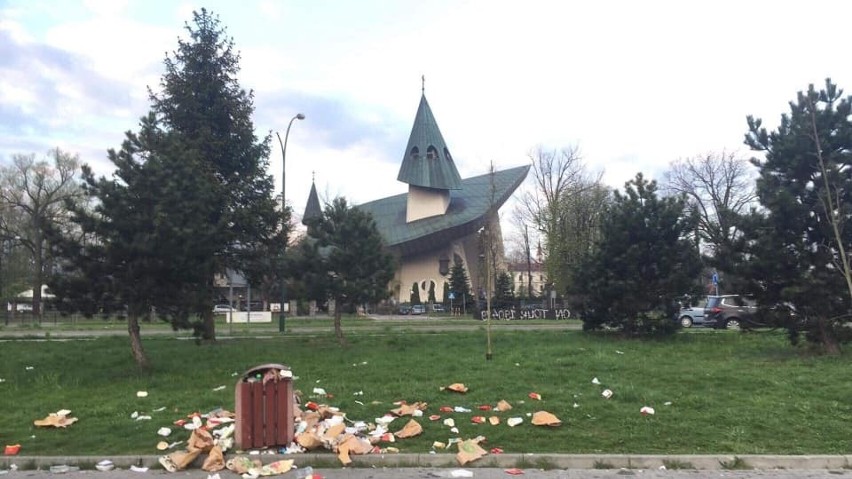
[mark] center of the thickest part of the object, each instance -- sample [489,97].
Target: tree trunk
[208,328]
[338,329]
[136,342]
[828,340]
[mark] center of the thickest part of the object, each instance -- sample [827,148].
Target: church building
[440,220]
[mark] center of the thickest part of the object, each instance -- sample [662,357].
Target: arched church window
[415,153]
[431,153]
[447,154]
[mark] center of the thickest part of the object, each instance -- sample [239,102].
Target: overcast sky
[633,84]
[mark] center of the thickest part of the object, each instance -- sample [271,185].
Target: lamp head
[300,116]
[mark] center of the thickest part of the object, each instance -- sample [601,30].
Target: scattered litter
[454,430]
[485,407]
[358,393]
[143,418]
[12,449]
[456,387]
[214,476]
[56,419]
[162,445]
[105,465]
[595,381]
[160,409]
[477,419]
[461,409]
[410,409]
[2,380]
[517,364]
[544,418]
[449,422]
[663,467]
[514,421]
[667,403]
[496,450]
[29,368]
[141,394]
[606,393]
[461,473]
[438,445]
[647,410]
[576,405]
[434,417]
[219,388]
[494,420]
[535,396]
[503,405]
[134,414]
[319,391]
[619,352]
[514,471]
[135,468]
[411,429]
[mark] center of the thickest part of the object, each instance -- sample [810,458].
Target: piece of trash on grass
[136,468]
[503,405]
[607,393]
[456,387]
[535,396]
[619,352]
[514,471]
[411,429]
[358,393]
[576,405]
[219,388]
[485,407]
[470,450]
[162,446]
[496,450]
[105,465]
[319,391]
[11,449]
[494,420]
[647,410]
[143,418]
[160,409]
[667,403]
[595,381]
[514,421]
[454,430]
[449,422]
[461,409]
[438,445]
[544,418]
[29,368]
[56,419]
[477,419]
[434,417]
[214,476]
[141,394]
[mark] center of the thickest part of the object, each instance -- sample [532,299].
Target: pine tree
[202,102]
[643,263]
[347,259]
[798,251]
[415,294]
[504,289]
[460,284]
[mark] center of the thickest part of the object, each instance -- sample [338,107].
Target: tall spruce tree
[798,251]
[202,102]
[460,284]
[645,260]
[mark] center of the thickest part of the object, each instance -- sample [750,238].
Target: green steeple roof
[313,210]
[427,161]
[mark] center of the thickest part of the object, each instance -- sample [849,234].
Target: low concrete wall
[243,317]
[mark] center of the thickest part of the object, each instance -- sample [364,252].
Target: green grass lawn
[713,391]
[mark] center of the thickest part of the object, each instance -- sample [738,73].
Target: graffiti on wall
[508,314]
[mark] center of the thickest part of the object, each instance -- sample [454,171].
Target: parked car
[418,309]
[730,311]
[691,316]
[222,309]
[438,308]
[21,307]
[405,310]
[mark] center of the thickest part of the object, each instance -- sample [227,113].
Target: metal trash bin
[264,407]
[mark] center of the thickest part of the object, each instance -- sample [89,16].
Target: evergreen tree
[347,259]
[446,298]
[201,101]
[460,284]
[645,260]
[504,289]
[798,251]
[431,296]
[415,294]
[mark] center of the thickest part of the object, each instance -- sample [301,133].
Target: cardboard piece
[411,429]
[544,418]
[469,451]
[503,405]
[352,445]
[494,420]
[457,387]
[56,419]
[409,409]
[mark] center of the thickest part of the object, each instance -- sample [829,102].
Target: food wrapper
[544,418]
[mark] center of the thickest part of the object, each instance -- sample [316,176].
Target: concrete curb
[448,460]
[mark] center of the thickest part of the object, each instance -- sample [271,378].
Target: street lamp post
[282,315]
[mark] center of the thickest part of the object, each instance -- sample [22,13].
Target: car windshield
[712,302]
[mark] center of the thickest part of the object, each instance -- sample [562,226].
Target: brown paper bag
[503,405]
[469,451]
[200,439]
[308,440]
[215,461]
[178,460]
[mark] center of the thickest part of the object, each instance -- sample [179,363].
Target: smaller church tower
[313,210]
[427,167]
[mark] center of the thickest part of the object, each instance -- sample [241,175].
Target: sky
[632,85]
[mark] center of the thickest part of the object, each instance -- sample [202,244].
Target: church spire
[313,210]
[427,161]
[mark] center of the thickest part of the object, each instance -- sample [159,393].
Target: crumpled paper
[456,387]
[544,418]
[56,419]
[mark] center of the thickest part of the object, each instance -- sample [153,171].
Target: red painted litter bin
[264,407]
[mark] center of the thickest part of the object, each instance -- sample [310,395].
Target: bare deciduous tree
[32,197]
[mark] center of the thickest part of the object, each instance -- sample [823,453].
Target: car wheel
[733,323]
[686,322]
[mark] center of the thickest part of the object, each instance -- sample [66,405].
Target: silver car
[691,316]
